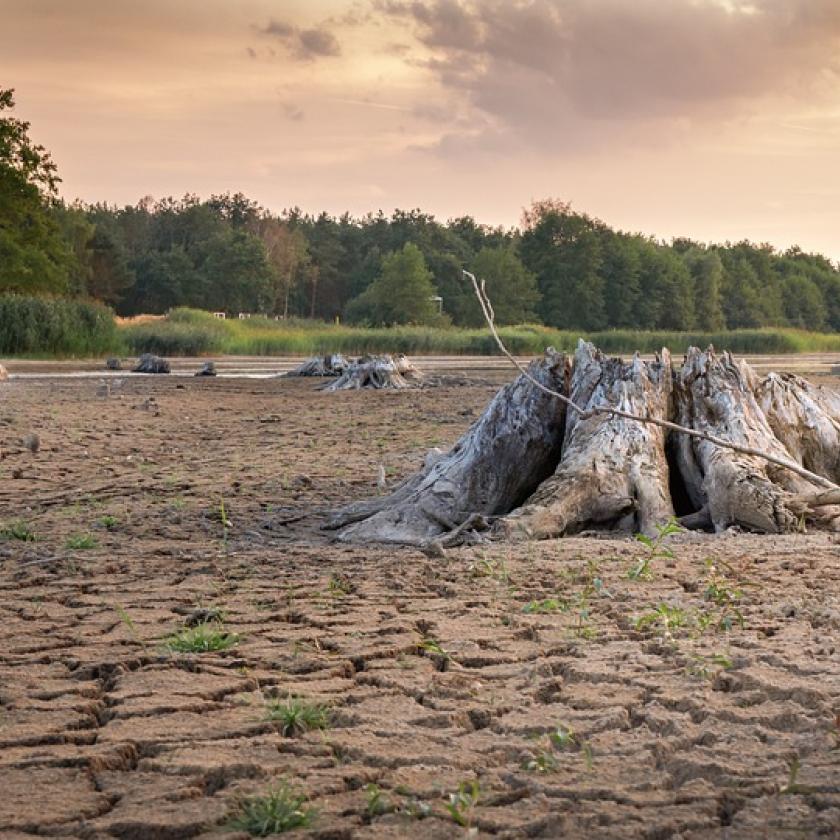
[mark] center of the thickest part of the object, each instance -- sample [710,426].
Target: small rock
[788,610]
[103,389]
[113,363]
[32,442]
[433,548]
[17,472]
[207,369]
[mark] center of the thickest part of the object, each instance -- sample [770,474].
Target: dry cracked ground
[553,689]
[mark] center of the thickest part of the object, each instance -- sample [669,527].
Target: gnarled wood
[717,395]
[377,372]
[806,419]
[613,471]
[492,468]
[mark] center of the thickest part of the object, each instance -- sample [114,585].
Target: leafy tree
[288,255]
[706,272]
[34,257]
[236,272]
[563,249]
[402,293]
[620,268]
[511,288]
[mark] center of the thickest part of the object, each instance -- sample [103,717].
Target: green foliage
[377,802]
[17,530]
[280,809]
[462,803]
[32,326]
[402,293]
[34,256]
[295,715]
[81,542]
[511,288]
[188,332]
[546,605]
[656,549]
[203,638]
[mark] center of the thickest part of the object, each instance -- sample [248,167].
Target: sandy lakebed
[583,703]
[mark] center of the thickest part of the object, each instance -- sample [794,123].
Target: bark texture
[612,471]
[377,372]
[498,463]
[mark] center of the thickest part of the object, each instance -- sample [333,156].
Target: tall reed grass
[189,332]
[51,327]
[62,328]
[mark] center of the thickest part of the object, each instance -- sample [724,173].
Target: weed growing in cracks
[656,550]
[203,638]
[295,715]
[280,809]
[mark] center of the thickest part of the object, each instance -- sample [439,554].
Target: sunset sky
[715,119]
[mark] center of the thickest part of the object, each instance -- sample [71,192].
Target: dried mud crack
[698,702]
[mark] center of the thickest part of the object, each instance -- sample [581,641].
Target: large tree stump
[759,455]
[498,463]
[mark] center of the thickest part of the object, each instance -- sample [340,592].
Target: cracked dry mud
[434,672]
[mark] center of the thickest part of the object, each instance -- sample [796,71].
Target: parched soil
[701,703]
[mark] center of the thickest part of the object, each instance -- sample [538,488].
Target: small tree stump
[149,363]
[333,364]
[377,372]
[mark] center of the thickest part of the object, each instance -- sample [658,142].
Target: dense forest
[561,267]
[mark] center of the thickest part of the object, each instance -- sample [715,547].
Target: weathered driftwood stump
[531,468]
[333,364]
[377,372]
[149,363]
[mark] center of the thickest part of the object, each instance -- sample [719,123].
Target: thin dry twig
[490,318]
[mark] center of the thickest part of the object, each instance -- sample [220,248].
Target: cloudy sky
[716,119]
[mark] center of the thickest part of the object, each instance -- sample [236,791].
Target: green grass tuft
[17,530]
[280,809]
[295,715]
[80,542]
[202,638]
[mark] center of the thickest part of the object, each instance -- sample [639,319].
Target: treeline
[561,268]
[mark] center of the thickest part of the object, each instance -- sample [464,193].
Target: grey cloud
[304,44]
[319,42]
[554,69]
